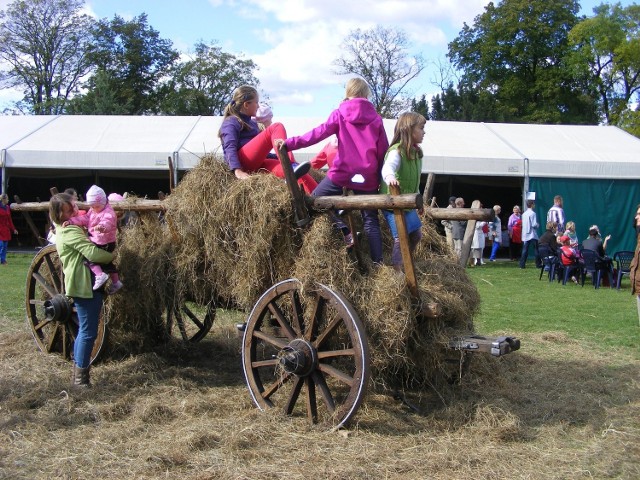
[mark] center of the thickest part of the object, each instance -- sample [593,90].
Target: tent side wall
[608,203]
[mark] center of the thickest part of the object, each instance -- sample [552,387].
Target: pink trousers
[253,156]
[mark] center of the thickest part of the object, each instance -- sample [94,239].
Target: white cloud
[302,38]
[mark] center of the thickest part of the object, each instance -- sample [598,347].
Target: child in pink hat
[102,225]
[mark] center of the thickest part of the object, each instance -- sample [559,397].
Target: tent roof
[455,148]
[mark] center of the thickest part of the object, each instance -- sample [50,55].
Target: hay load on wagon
[230,241]
[322,321]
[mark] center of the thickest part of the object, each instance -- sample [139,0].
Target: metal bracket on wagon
[496,346]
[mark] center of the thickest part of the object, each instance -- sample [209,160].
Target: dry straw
[229,241]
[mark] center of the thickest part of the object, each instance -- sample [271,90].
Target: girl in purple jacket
[246,148]
[362,144]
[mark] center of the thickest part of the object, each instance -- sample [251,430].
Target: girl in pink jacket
[362,145]
[101,223]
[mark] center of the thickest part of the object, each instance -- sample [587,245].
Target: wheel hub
[298,358]
[58,308]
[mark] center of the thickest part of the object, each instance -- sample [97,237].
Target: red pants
[253,156]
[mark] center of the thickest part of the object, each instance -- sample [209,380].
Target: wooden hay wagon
[305,348]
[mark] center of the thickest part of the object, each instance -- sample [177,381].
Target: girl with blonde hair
[362,144]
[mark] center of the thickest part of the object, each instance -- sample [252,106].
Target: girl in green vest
[402,166]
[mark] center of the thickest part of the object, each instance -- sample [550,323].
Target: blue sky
[294,42]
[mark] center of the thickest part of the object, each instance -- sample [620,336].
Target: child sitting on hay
[246,148]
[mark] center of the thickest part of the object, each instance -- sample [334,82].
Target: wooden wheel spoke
[347,352]
[180,323]
[271,362]
[335,373]
[42,324]
[56,279]
[326,333]
[316,312]
[52,339]
[43,282]
[294,393]
[193,317]
[325,392]
[276,385]
[298,314]
[271,340]
[282,321]
[311,401]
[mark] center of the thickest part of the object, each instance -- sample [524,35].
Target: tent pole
[3,155]
[525,190]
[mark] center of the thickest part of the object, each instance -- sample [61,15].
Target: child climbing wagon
[402,167]
[362,143]
[102,225]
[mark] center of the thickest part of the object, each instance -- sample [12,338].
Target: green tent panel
[609,203]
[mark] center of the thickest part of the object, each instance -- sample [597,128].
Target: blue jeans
[88,318]
[3,251]
[494,250]
[525,253]
[326,188]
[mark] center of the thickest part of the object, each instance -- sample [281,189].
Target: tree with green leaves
[516,51]
[608,46]
[204,83]
[131,63]
[380,56]
[45,45]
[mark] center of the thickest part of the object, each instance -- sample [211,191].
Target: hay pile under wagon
[305,348]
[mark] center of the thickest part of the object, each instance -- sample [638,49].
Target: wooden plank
[32,226]
[405,250]
[299,207]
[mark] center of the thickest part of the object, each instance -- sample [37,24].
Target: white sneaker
[100,280]
[114,287]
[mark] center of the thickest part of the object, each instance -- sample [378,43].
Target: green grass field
[513,300]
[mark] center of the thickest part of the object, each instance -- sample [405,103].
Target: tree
[203,84]
[380,56]
[131,63]
[517,51]
[45,44]
[608,45]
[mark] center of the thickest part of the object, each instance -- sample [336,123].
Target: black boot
[81,378]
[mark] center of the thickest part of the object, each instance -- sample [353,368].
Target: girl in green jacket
[403,166]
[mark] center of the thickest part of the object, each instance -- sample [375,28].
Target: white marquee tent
[546,157]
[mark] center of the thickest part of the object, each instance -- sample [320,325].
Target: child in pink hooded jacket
[101,223]
[362,145]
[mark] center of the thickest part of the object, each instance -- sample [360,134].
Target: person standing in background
[448,231]
[495,230]
[634,273]
[6,227]
[529,234]
[556,213]
[514,227]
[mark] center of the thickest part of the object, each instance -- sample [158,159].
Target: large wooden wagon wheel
[50,314]
[189,321]
[309,359]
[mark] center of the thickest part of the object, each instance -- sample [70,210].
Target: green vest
[408,174]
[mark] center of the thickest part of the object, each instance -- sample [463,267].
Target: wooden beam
[299,207]
[468,235]
[405,250]
[32,226]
